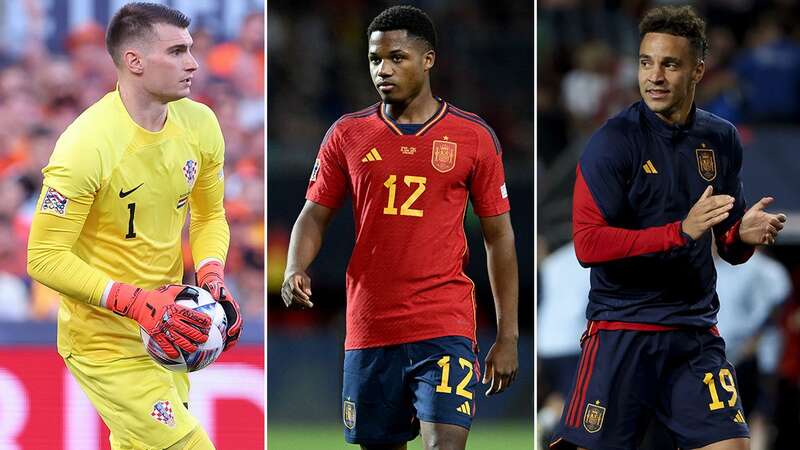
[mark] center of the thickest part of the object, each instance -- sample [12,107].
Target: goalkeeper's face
[167,63]
[668,73]
[399,65]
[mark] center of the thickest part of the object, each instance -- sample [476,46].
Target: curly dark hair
[135,20]
[414,20]
[678,21]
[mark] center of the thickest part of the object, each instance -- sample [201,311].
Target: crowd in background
[587,72]
[44,86]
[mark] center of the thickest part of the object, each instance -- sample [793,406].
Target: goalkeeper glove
[209,277]
[167,323]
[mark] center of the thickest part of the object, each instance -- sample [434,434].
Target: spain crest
[593,418]
[349,414]
[706,163]
[443,156]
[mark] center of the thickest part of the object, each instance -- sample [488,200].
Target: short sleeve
[488,190]
[74,170]
[327,185]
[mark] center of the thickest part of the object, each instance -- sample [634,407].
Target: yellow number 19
[405,208]
[726,380]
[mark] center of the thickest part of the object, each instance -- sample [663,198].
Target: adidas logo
[464,409]
[739,417]
[372,155]
[649,167]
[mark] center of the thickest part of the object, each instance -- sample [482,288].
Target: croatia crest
[443,156]
[162,412]
[190,171]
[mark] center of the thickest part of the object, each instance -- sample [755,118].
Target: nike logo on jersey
[372,155]
[649,167]
[123,194]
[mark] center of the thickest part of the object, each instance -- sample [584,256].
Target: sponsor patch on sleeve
[315,170]
[503,191]
[54,202]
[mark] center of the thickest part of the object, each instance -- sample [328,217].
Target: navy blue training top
[637,179]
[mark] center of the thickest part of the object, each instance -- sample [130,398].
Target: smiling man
[654,186]
[411,163]
[107,232]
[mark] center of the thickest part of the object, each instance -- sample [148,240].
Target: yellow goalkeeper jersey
[113,206]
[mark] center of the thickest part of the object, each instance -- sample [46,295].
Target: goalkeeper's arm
[50,257]
[52,263]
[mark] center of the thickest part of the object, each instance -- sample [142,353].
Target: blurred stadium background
[318,71]
[53,64]
[586,55]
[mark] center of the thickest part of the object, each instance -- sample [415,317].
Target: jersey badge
[162,412]
[408,150]
[706,163]
[349,414]
[54,202]
[443,156]
[593,418]
[372,155]
[190,171]
[315,170]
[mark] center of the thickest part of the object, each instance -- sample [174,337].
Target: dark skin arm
[304,244]
[501,258]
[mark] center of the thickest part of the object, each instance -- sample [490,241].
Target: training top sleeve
[600,198]
[71,179]
[726,234]
[209,235]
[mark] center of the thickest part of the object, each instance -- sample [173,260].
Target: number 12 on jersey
[405,208]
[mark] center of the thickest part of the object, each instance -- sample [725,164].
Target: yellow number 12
[405,208]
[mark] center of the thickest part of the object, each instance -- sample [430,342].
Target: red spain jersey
[406,281]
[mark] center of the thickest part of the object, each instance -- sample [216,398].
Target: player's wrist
[122,299]
[507,336]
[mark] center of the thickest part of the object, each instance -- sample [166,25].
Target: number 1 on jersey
[405,208]
[131,232]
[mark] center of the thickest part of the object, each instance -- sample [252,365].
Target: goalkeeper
[107,232]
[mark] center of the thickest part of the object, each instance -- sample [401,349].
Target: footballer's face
[167,65]
[668,73]
[399,65]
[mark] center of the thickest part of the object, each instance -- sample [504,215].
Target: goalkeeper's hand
[167,323]
[210,277]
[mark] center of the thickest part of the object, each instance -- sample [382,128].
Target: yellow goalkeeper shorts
[142,403]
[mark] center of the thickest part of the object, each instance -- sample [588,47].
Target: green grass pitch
[483,436]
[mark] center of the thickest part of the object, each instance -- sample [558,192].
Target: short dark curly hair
[678,21]
[136,20]
[414,20]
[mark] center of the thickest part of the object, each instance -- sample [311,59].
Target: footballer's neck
[417,109]
[146,110]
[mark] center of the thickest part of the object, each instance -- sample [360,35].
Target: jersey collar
[392,124]
[663,128]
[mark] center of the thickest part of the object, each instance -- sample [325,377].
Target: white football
[199,300]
